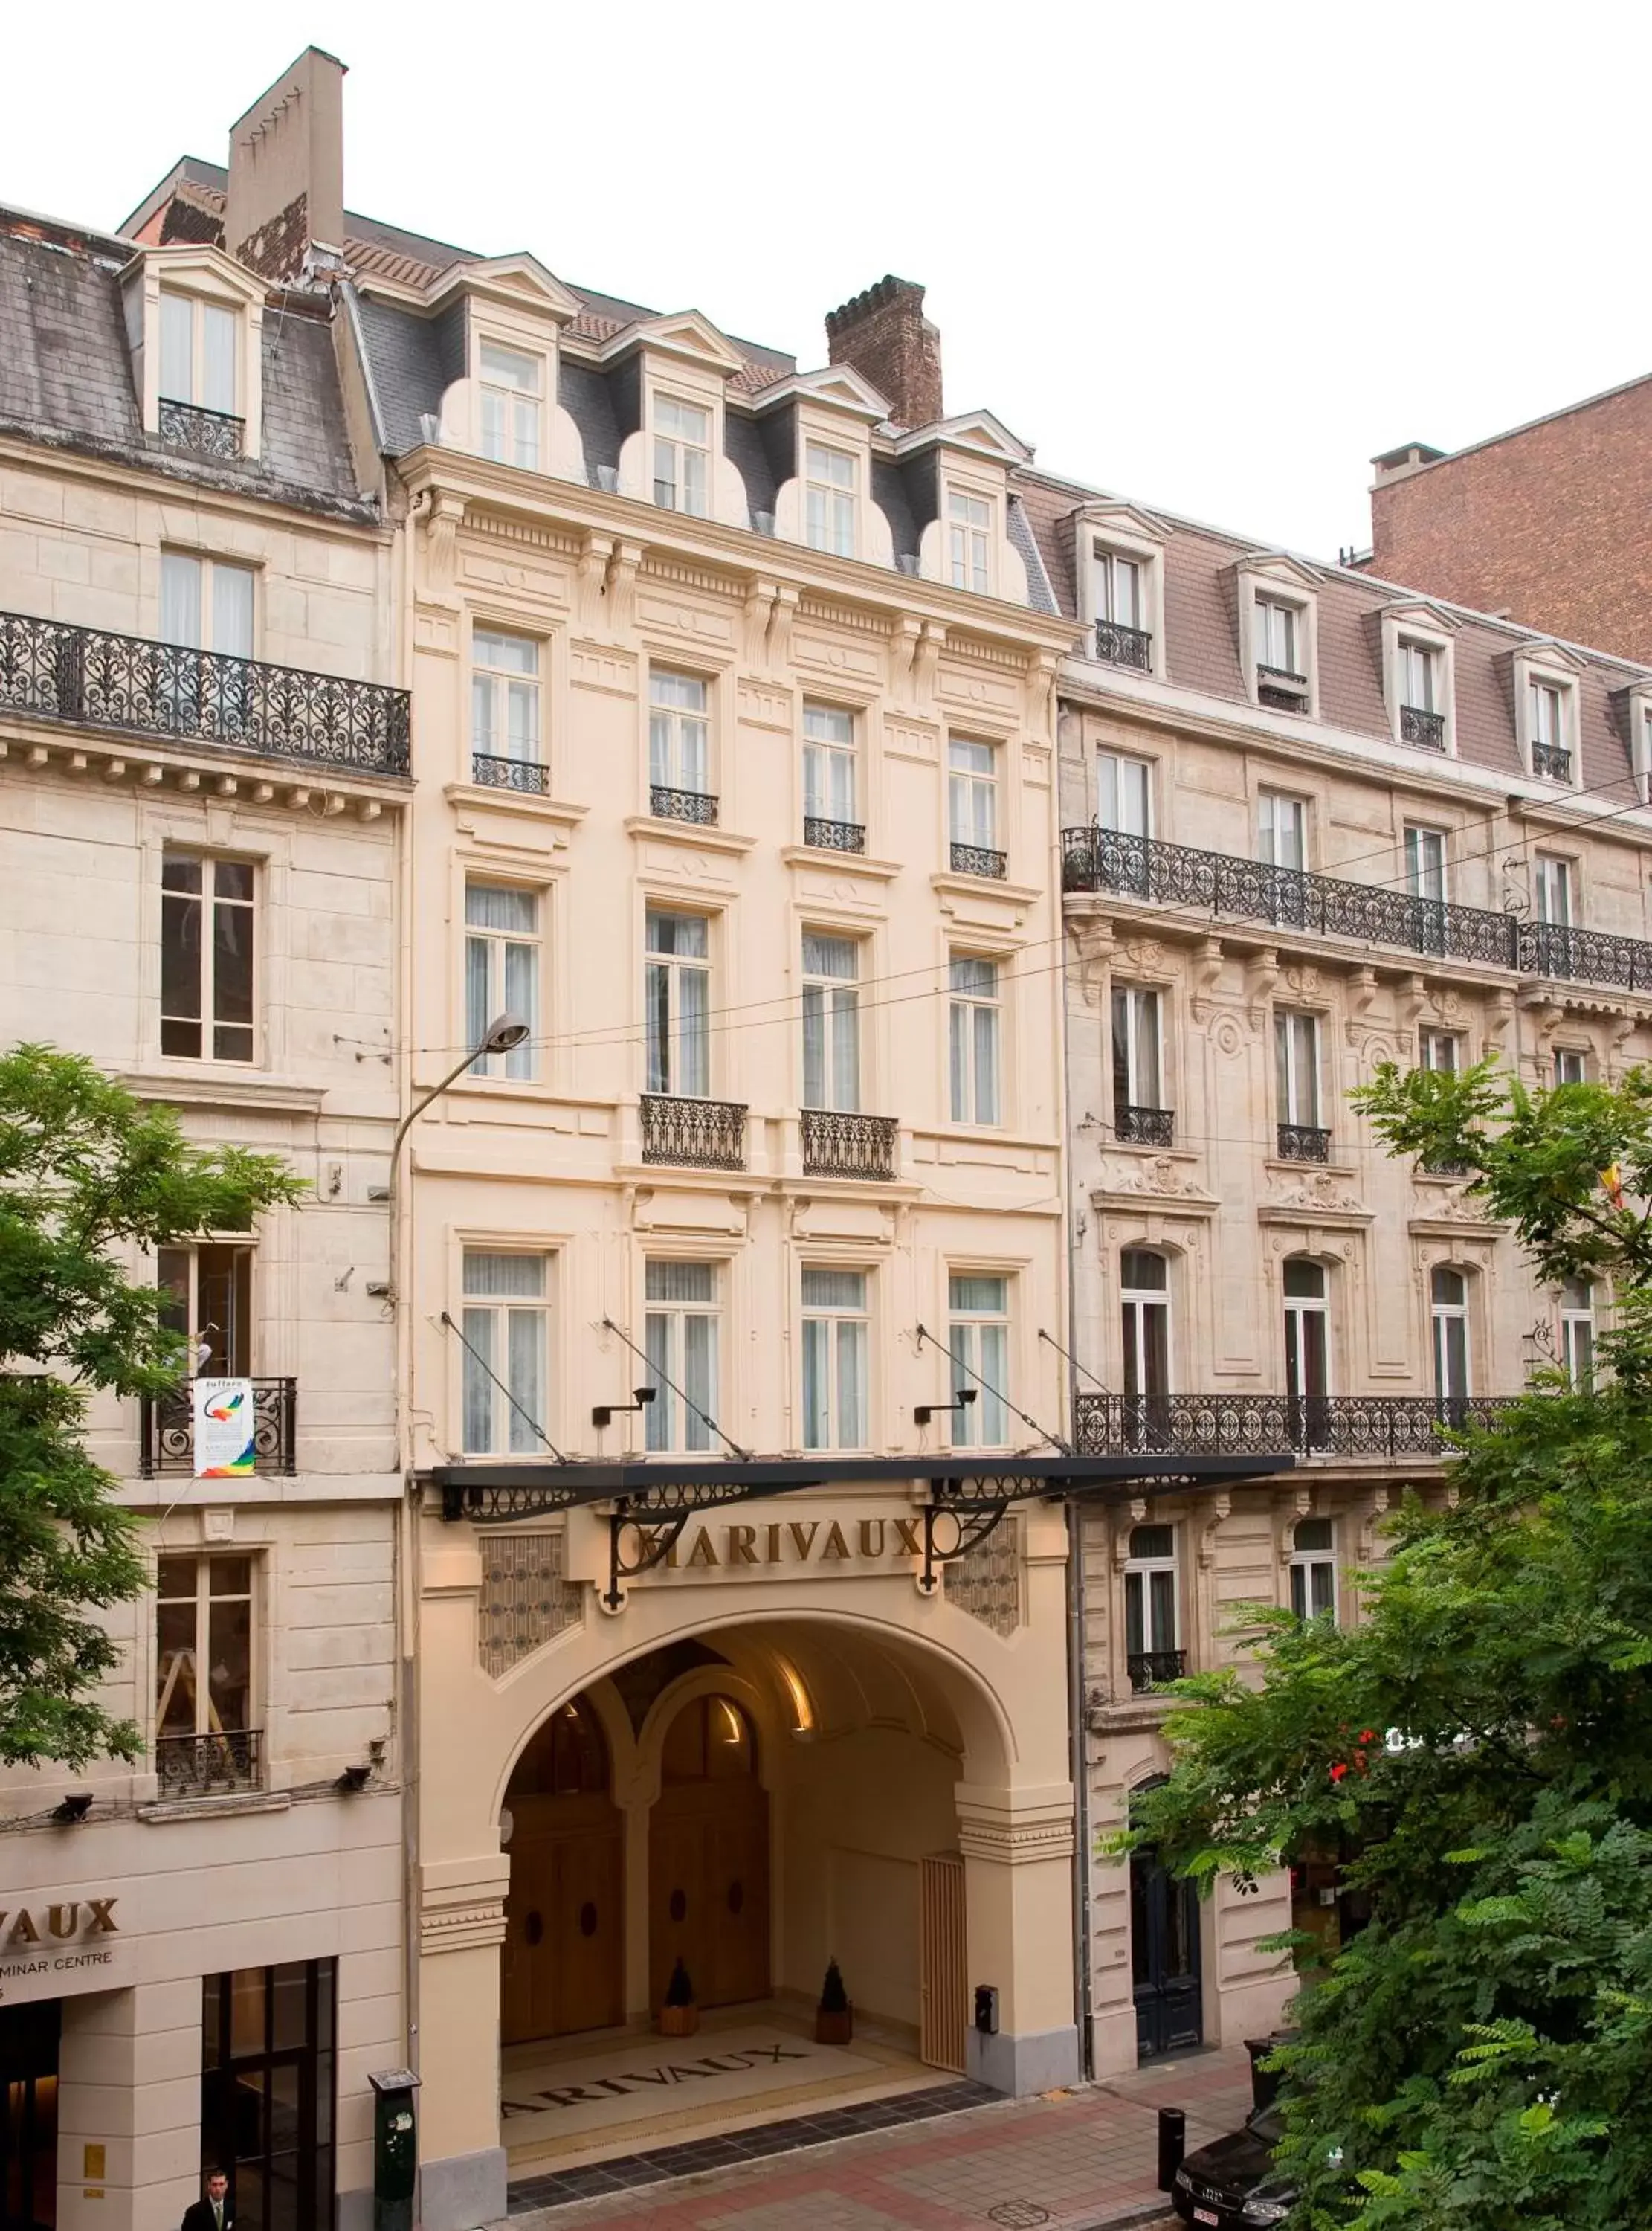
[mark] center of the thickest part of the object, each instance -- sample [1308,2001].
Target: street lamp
[502,1035]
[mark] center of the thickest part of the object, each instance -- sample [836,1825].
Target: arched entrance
[708,1857]
[1165,1967]
[563,1964]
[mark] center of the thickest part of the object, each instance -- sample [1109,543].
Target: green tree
[1480,2054]
[86,1171]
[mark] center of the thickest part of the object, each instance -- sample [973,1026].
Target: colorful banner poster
[224,1428]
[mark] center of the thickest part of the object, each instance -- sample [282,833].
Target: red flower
[1367,1735]
[1338,1771]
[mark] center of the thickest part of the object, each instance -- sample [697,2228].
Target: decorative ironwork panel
[206,1766]
[833,836]
[1418,727]
[1552,761]
[1144,1127]
[95,679]
[706,1134]
[207,433]
[499,774]
[1386,1427]
[526,1600]
[166,1429]
[985,1581]
[696,806]
[1124,646]
[978,860]
[1304,1143]
[1148,1667]
[836,1145]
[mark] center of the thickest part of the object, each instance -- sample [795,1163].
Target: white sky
[1211,256]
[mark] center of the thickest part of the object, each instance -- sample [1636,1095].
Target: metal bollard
[1172,2144]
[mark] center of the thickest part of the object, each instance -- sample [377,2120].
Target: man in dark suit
[214,2213]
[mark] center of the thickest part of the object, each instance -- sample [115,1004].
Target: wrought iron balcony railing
[207,1765]
[500,773]
[978,860]
[1552,761]
[838,1145]
[833,836]
[1418,726]
[668,804]
[1221,884]
[1303,1142]
[166,1429]
[1144,1127]
[1147,1667]
[1372,1428]
[1282,690]
[697,1134]
[97,680]
[1124,646]
[207,433]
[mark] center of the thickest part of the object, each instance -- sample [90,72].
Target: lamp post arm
[419,1107]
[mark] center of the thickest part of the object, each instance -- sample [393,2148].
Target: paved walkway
[1074,2161]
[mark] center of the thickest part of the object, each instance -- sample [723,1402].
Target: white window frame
[493,1323]
[1579,1331]
[685,1043]
[1139,1572]
[1102,535]
[1443,1315]
[1117,775]
[202,310]
[1298,1078]
[975,1026]
[1281,827]
[831,764]
[1306,1564]
[246,908]
[1570,1066]
[974,765]
[198,1672]
[1421,842]
[671,443]
[517,436]
[1432,1044]
[507,702]
[496,961]
[679,734]
[831,501]
[219,591]
[1554,890]
[672,1427]
[978,1337]
[1140,1008]
[971,530]
[1535,674]
[832,1044]
[1422,629]
[1299,1308]
[1281,586]
[1137,1304]
[834,1330]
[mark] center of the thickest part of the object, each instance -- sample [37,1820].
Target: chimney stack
[884,335]
[285,217]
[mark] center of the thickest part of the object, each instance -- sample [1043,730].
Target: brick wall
[1549,525]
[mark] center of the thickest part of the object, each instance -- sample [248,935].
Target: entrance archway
[563,1963]
[708,1857]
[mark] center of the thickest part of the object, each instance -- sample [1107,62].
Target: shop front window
[268,2043]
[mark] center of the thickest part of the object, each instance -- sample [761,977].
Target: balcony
[209,1765]
[1148,1667]
[166,1429]
[1221,885]
[1384,1428]
[978,860]
[203,433]
[92,679]
[1419,726]
[693,1135]
[1144,1127]
[1302,1142]
[1281,690]
[696,805]
[1124,646]
[836,1145]
[1552,761]
[823,835]
[494,772]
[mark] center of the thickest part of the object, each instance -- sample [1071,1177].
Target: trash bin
[1264,2082]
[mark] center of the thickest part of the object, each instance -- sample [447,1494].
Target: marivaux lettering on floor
[664,2075]
[797,1541]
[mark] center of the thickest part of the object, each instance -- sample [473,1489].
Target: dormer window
[970,540]
[829,479]
[1546,709]
[1282,678]
[200,390]
[1118,591]
[511,382]
[1421,711]
[682,433]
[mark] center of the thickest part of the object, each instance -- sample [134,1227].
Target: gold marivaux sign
[49,1946]
[735,1545]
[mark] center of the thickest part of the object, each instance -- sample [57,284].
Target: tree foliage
[1481,2052]
[87,1173]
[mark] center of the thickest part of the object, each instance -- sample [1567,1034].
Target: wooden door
[943,1963]
[1165,1959]
[708,1859]
[563,1968]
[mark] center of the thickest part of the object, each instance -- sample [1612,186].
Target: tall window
[203,1632]
[1153,1622]
[1117,584]
[831,791]
[1306,1341]
[501,972]
[974,1027]
[270,2048]
[1449,1310]
[207,940]
[969,521]
[1124,792]
[973,793]
[504,1358]
[1296,1066]
[504,697]
[1548,704]
[1278,634]
[1313,1568]
[1578,1332]
[1418,664]
[206,1296]
[198,353]
[677,996]
[681,455]
[1281,830]
[679,731]
[1551,888]
[510,406]
[1570,1066]
[1137,1069]
[829,487]
[1144,1299]
[834,1349]
[978,1339]
[206,604]
[1425,864]
[1441,1050]
[681,1336]
[831,1021]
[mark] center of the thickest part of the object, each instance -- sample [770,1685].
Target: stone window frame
[1552,665]
[553,1248]
[1124,532]
[204,274]
[1280,581]
[1430,631]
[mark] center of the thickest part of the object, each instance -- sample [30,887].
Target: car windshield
[1268,2124]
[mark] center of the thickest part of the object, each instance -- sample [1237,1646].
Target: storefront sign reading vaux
[824,1545]
[49,1946]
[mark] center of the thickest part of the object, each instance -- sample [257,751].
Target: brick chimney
[884,335]
[285,217]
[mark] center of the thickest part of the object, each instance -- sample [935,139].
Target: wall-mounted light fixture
[605,1413]
[963,1396]
[74,1808]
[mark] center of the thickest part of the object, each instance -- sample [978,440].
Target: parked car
[1230,2185]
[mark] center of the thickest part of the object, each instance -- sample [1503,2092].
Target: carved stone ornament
[1160,1176]
[1322,1189]
[1144,954]
[1204,974]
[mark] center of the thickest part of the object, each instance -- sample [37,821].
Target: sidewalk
[1072,2160]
